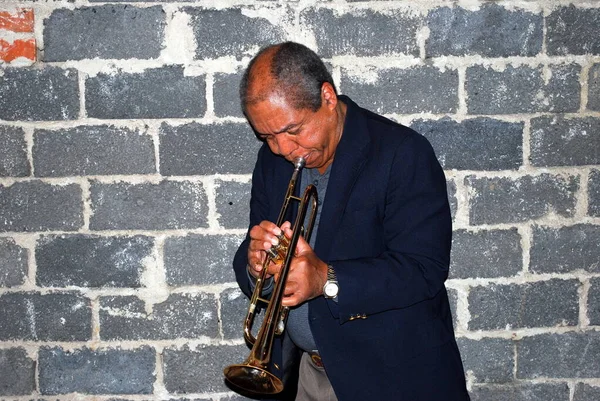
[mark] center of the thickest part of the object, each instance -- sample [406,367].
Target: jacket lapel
[349,160]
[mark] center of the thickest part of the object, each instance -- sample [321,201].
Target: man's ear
[328,96]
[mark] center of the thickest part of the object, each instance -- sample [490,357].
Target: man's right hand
[262,237]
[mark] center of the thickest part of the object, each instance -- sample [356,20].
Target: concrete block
[17,372]
[104,371]
[572,30]
[198,149]
[585,392]
[199,370]
[92,150]
[47,94]
[550,303]
[242,36]
[36,206]
[474,144]
[557,141]
[226,95]
[594,88]
[395,90]
[106,31]
[565,249]
[490,31]
[523,89]
[155,93]
[566,355]
[365,32]
[91,261]
[13,263]
[200,259]
[179,316]
[489,360]
[28,316]
[234,307]
[593,306]
[233,203]
[13,152]
[509,200]
[522,392]
[594,193]
[162,206]
[486,254]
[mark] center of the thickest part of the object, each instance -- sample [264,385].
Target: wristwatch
[331,288]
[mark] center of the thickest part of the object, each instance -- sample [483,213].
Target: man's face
[294,133]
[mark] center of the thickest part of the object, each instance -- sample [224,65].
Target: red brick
[19,21]
[18,48]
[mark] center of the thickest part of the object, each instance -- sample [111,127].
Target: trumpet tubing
[253,375]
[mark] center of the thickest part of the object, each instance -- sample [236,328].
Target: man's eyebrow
[287,128]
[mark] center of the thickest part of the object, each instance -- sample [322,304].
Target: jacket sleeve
[417,231]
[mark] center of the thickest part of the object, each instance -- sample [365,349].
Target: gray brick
[594,88]
[243,36]
[508,200]
[226,95]
[585,392]
[13,263]
[214,252]
[522,89]
[415,90]
[475,144]
[106,32]
[50,317]
[37,206]
[44,94]
[451,188]
[105,371]
[166,205]
[565,249]
[522,392]
[362,32]
[490,31]
[557,141]
[155,93]
[234,307]
[199,370]
[179,316]
[573,30]
[593,306]
[17,372]
[91,261]
[489,360]
[13,152]
[594,193]
[486,254]
[233,204]
[453,299]
[200,149]
[92,150]
[548,303]
[567,355]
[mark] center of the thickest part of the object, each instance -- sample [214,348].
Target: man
[383,330]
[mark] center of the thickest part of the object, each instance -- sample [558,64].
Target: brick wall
[125,167]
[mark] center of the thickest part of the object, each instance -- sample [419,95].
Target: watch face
[331,290]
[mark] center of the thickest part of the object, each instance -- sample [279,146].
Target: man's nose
[285,146]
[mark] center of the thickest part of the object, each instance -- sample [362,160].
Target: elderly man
[382,329]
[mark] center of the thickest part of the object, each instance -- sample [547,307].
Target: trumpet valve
[277,252]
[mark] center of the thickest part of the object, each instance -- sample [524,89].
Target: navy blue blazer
[386,229]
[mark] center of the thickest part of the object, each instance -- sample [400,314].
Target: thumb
[302,246]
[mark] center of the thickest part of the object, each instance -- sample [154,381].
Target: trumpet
[253,375]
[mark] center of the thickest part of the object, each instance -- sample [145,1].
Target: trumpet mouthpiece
[299,163]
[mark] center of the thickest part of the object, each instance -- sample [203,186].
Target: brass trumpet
[252,375]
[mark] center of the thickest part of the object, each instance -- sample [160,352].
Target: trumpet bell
[253,379]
